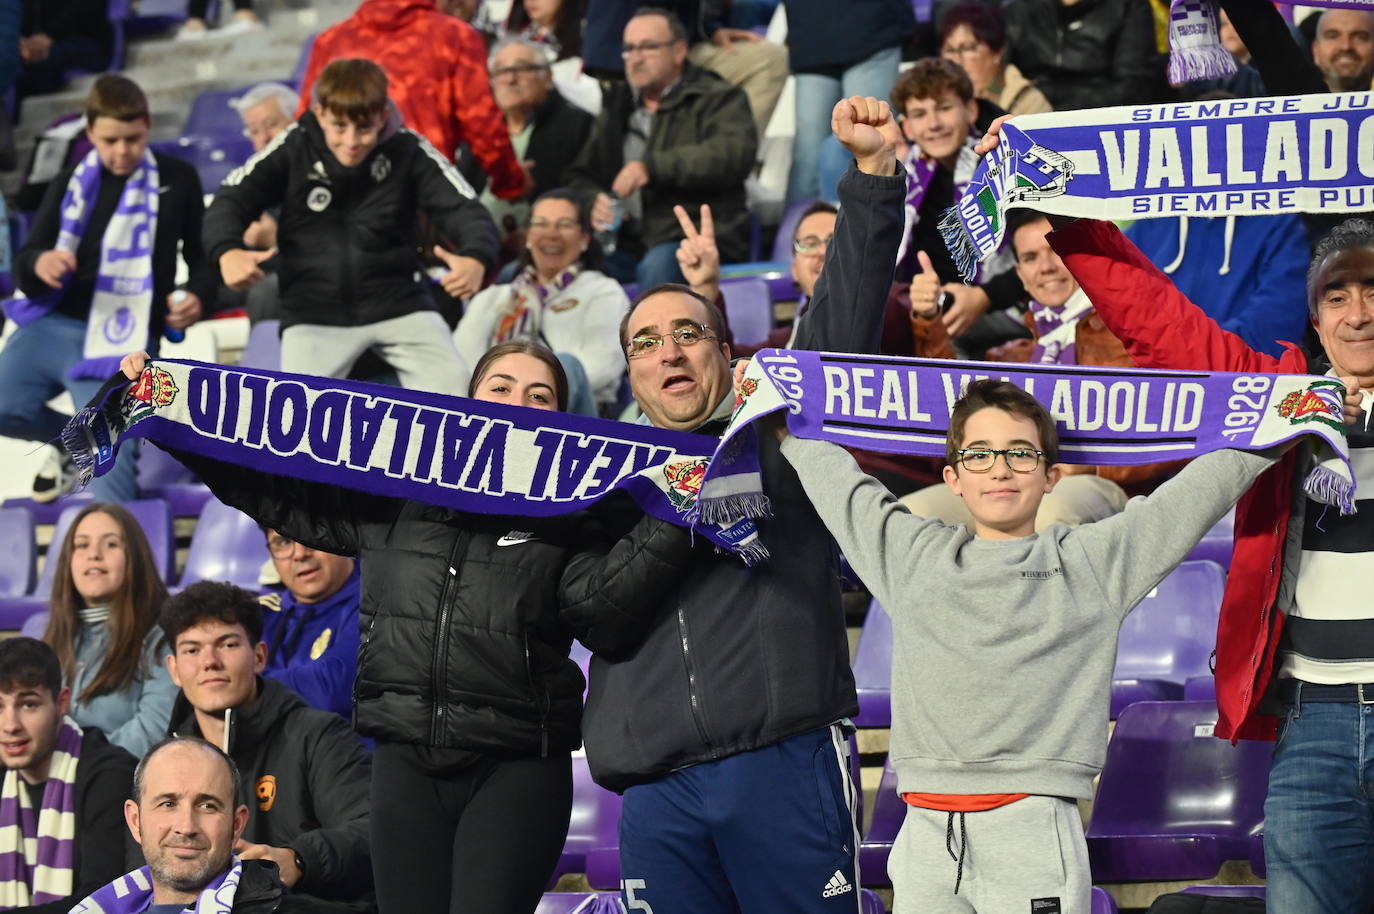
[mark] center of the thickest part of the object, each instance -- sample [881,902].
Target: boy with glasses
[1005,642]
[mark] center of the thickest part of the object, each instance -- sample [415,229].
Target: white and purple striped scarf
[1195,49]
[1056,329]
[121,306]
[133,892]
[920,171]
[36,848]
[523,316]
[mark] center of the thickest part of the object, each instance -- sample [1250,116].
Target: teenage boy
[61,832]
[351,183]
[1015,632]
[309,772]
[99,271]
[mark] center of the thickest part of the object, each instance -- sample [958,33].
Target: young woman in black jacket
[464,679]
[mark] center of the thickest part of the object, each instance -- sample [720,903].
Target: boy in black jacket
[53,767]
[308,771]
[351,182]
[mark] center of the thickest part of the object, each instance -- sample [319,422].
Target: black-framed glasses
[519,69]
[811,244]
[688,334]
[646,47]
[981,459]
[280,546]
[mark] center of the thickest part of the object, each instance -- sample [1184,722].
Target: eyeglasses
[562,225]
[1019,459]
[688,334]
[959,50]
[518,70]
[646,47]
[280,546]
[811,244]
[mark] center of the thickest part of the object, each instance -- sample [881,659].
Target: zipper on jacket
[692,682]
[546,703]
[439,662]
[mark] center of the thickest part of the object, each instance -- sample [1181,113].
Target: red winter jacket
[436,65]
[1163,329]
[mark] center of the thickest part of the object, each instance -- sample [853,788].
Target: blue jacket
[135,717]
[312,648]
[1247,273]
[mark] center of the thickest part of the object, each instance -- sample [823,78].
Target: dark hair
[592,258]
[1009,398]
[531,348]
[1350,234]
[133,610]
[987,23]
[820,206]
[240,794]
[930,77]
[117,96]
[675,26]
[207,600]
[1018,219]
[353,89]
[29,663]
[567,28]
[715,320]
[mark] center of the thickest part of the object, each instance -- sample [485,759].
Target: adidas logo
[838,885]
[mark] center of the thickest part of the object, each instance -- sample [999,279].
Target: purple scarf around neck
[48,875]
[132,893]
[523,317]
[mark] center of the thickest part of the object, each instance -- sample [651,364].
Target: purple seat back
[213,156]
[1169,636]
[580,655]
[578,903]
[227,546]
[157,468]
[787,228]
[212,116]
[35,625]
[1226,891]
[1200,688]
[889,810]
[748,309]
[873,669]
[1257,853]
[263,349]
[152,514]
[1216,545]
[17,552]
[1174,802]
[595,821]
[1103,903]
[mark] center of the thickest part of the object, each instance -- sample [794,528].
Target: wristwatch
[300,865]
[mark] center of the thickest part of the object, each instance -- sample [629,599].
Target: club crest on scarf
[153,389]
[684,482]
[1321,402]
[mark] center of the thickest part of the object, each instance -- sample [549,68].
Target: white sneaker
[56,478]
[191,30]
[240,25]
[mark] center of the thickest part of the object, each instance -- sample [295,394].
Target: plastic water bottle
[168,333]
[606,237]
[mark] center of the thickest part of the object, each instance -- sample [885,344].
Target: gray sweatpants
[418,346]
[1028,856]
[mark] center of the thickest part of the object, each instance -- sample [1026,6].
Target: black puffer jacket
[1092,54]
[349,237]
[462,646]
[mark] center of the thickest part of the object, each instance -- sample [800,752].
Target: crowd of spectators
[458,203]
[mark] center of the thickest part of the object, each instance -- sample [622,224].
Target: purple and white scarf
[121,306]
[37,847]
[1056,329]
[528,296]
[1242,157]
[133,893]
[920,171]
[1195,49]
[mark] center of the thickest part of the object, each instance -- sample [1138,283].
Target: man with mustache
[311,630]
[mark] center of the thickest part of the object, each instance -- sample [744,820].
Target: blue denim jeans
[818,159]
[657,266]
[33,370]
[1319,814]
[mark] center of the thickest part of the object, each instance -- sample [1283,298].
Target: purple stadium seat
[227,546]
[888,812]
[1103,903]
[211,116]
[1216,545]
[17,552]
[48,512]
[782,244]
[1257,853]
[1226,891]
[583,658]
[579,903]
[748,308]
[35,625]
[264,346]
[160,475]
[873,669]
[1169,637]
[302,62]
[1174,802]
[1200,688]
[213,156]
[595,825]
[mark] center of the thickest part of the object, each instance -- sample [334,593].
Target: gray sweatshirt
[1003,650]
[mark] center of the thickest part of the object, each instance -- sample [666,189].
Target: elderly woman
[974,36]
[559,298]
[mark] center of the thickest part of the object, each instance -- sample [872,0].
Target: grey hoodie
[1003,650]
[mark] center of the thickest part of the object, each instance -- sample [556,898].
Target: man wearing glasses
[721,714]
[672,133]
[311,630]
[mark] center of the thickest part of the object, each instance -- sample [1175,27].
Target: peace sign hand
[697,255]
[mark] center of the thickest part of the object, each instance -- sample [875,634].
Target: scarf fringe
[1330,487]
[960,244]
[755,553]
[1200,62]
[728,509]
[80,443]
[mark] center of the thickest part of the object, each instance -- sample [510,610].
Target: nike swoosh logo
[516,539]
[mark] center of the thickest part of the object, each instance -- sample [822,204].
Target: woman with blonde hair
[102,625]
